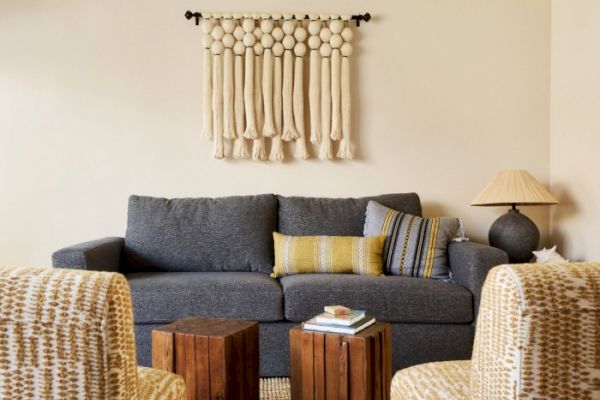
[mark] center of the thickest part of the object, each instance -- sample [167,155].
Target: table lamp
[513,232]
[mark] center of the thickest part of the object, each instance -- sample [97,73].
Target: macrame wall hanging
[254,84]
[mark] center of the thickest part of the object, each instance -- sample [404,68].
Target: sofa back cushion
[201,234]
[336,217]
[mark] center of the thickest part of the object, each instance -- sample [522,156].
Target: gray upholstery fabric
[275,348]
[388,298]
[470,263]
[201,234]
[163,297]
[143,343]
[342,217]
[98,255]
[411,344]
[414,344]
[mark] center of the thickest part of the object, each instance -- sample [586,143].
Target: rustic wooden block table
[333,366]
[218,358]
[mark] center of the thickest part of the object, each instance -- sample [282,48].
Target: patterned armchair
[68,334]
[537,337]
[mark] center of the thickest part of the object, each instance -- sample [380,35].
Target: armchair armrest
[469,265]
[98,255]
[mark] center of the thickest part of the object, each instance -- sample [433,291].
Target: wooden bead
[300,49]
[267,41]
[218,32]
[347,34]
[325,50]
[239,48]
[206,25]
[288,42]
[228,25]
[238,32]
[258,49]
[346,49]
[336,41]
[336,26]
[288,27]
[277,49]
[325,35]
[248,25]
[314,27]
[314,42]
[300,34]
[277,34]
[266,25]
[249,39]
[207,41]
[228,40]
[217,47]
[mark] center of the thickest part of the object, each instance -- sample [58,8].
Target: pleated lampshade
[514,186]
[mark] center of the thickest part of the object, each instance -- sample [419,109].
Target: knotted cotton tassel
[217,49]
[345,150]
[240,146]
[325,152]
[207,131]
[249,41]
[228,89]
[289,130]
[267,42]
[314,84]
[258,146]
[277,153]
[299,52]
[336,41]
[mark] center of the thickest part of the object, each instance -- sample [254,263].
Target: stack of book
[339,319]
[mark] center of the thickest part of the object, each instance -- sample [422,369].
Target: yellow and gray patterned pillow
[327,254]
[414,246]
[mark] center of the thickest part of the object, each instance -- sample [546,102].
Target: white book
[343,320]
[364,323]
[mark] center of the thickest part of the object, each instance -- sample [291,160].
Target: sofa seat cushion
[388,298]
[163,297]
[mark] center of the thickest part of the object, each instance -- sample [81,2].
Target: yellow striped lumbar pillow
[328,254]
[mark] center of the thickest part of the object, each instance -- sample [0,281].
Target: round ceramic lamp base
[516,234]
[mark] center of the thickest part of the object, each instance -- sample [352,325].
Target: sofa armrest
[470,263]
[98,255]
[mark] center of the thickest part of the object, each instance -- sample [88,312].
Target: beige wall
[101,99]
[575,127]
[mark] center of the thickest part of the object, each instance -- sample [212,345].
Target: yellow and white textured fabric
[537,338]
[155,384]
[327,254]
[68,334]
[538,334]
[433,381]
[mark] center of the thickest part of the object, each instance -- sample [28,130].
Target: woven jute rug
[275,389]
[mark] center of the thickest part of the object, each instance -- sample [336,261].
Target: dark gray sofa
[212,257]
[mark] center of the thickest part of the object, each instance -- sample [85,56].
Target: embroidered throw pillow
[414,246]
[327,254]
